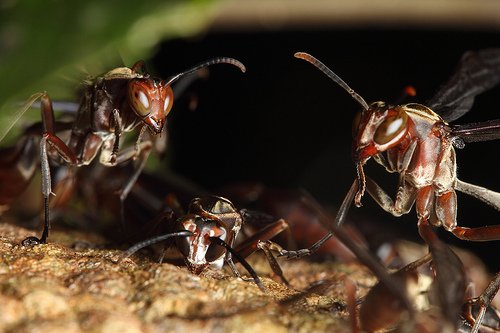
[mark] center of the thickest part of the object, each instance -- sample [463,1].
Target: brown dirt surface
[57,288]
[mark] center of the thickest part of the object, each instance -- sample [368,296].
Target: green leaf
[52,45]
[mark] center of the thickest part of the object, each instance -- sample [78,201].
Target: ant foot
[294,254]
[32,241]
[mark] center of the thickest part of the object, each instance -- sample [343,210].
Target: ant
[206,235]
[394,302]
[418,143]
[120,101]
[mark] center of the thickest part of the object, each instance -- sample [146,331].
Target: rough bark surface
[59,288]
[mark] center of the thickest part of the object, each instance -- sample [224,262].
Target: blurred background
[283,123]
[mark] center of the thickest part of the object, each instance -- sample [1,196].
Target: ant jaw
[195,268]
[362,155]
[154,125]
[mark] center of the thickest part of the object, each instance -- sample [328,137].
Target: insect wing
[476,73]
[477,132]
[11,121]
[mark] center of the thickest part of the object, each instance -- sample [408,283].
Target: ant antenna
[154,240]
[322,67]
[220,60]
[242,261]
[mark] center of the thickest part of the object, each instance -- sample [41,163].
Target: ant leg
[339,220]
[234,269]
[254,243]
[144,150]
[405,197]
[250,245]
[424,205]
[49,139]
[488,233]
[487,196]
[350,291]
[266,247]
[402,205]
[483,301]
[118,132]
[446,207]
[446,210]
[242,261]
[260,240]
[142,153]
[139,153]
[492,198]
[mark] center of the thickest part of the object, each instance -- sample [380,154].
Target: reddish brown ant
[120,101]
[392,302]
[300,211]
[206,235]
[446,311]
[477,314]
[417,142]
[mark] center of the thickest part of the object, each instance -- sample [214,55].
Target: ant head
[197,249]
[211,206]
[151,101]
[208,217]
[377,129]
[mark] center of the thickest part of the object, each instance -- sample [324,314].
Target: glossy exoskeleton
[299,209]
[477,313]
[449,308]
[120,101]
[206,234]
[393,303]
[417,142]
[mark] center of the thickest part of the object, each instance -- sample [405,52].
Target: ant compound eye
[143,99]
[391,127]
[169,100]
[139,99]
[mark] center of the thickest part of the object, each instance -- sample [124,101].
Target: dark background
[285,124]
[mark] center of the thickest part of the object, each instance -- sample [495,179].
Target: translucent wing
[476,73]
[476,132]
[12,120]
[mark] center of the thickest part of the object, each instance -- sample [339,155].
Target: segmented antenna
[154,240]
[220,60]
[242,261]
[322,67]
